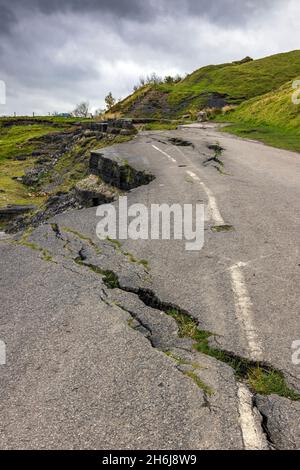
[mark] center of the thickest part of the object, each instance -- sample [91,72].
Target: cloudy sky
[54,54]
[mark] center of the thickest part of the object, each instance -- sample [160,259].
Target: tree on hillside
[110,101]
[153,79]
[169,80]
[81,110]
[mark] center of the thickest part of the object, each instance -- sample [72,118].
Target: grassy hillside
[18,140]
[272,118]
[55,145]
[212,86]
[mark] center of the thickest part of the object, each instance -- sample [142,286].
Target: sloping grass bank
[273,119]
[234,82]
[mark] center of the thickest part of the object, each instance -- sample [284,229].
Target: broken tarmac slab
[280,421]
[116,171]
[160,330]
[212,381]
[86,379]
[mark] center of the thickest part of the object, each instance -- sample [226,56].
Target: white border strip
[243,306]
[164,153]
[213,206]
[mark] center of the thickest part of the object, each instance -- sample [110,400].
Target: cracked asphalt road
[78,375]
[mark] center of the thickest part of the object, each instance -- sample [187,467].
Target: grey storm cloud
[12,11]
[218,11]
[55,53]
[7,18]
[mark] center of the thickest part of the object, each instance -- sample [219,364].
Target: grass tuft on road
[262,379]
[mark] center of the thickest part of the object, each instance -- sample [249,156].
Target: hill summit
[213,86]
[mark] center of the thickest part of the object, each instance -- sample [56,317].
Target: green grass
[261,90]
[109,278]
[273,119]
[206,388]
[191,373]
[23,241]
[222,228]
[131,99]
[51,120]
[18,140]
[14,141]
[238,82]
[114,242]
[82,237]
[271,382]
[160,126]
[274,136]
[73,165]
[262,379]
[118,245]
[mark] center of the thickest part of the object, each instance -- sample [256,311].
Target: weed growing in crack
[216,148]
[109,278]
[84,238]
[206,388]
[49,258]
[133,259]
[129,256]
[23,241]
[114,242]
[270,382]
[144,263]
[261,378]
[222,228]
[191,373]
[132,323]
[176,358]
[187,326]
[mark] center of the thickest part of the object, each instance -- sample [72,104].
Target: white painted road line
[244,312]
[164,153]
[212,203]
[194,176]
[250,422]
